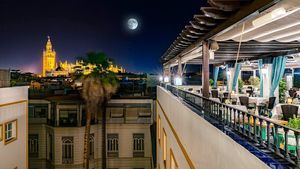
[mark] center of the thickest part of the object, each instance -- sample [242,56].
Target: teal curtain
[227,77]
[278,67]
[261,84]
[236,75]
[216,73]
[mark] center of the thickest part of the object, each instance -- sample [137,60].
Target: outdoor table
[237,95]
[258,100]
[245,90]
[277,112]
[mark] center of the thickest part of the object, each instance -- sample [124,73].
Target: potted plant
[211,82]
[282,89]
[240,84]
[293,123]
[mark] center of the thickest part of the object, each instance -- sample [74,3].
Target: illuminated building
[50,67]
[49,58]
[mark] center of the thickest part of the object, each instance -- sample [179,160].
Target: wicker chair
[289,111]
[271,103]
[244,100]
[292,93]
[215,93]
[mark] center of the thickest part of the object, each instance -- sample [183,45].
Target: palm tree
[98,87]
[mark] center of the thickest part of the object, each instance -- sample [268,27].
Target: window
[296,77]
[38,111]
[164,148]
[92,146]
[158,129]
[1,134]
[33,144]
[67,150]
[10,131]
[245,75]
[138,145]
[112,145]
[173,163]
[68,117]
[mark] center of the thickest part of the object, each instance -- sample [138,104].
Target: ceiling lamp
[213,46]
[269,17]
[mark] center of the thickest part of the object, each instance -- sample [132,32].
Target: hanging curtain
[278,68]
[216,73]
[261,83]
[236,75]
[227,77]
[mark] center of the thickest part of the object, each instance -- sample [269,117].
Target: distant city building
[13,127]
[4,78]
[53,69]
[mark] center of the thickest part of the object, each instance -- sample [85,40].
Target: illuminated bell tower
[49,58]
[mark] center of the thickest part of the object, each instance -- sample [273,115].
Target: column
[266,74]
[179,71]
[57,115]
[230,80]
[205,69]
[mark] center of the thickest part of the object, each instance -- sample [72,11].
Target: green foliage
[211,82]
[255,81]
[240,84]
[97,58]
[282,89]
[294,123]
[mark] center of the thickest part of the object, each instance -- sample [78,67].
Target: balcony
[207,133]
[130,113]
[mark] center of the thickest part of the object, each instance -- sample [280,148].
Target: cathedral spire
[49,44]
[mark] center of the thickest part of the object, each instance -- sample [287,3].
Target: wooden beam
[243,13]
[225,5]
[214,13]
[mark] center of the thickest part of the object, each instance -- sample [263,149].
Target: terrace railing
[264,132]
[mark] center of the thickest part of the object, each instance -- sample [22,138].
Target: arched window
[92,146]
[33,145]
[112,145]
[138,145]
[67,150]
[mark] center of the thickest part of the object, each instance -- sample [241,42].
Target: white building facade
[57,126]
[13,128]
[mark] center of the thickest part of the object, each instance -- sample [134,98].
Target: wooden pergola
[222,22]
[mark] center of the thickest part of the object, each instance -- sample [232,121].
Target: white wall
[13,105]
[205,145]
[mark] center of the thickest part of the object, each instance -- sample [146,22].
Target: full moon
[132,23]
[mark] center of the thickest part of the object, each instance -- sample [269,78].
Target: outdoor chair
[271,103]
[250,91]
[233,101]
[289,111]
[226,95]
[292,93]
[244,100]
[215,93]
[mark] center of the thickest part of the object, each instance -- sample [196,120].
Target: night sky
[79,26]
